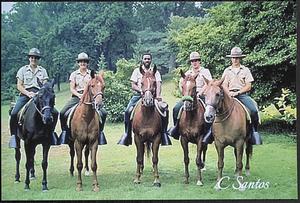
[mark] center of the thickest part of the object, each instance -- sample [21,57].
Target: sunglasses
[34,57]
[83,61]
[194,60]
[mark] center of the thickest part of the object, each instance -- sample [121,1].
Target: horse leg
[249,149]
[86,156]
[199,162]
[139,159]
[220,150]
[239,160]
[72,154]
[78,148]
[204,149]
[186,158]
[155,149]
[18,158]
[32,171]
[29,162]
[46,148]
[94,166]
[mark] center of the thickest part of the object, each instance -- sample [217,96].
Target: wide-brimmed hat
[34,52]
[82,57]
[194,56]
[236,52]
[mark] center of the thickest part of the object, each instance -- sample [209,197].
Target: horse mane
[85,92]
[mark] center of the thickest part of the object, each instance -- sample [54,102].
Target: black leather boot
[255,136]
[208,136]
[165,140]
[173,131]
[54,139]
[101,137]
[126,138]
[64,136]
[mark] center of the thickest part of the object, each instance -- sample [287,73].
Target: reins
[225,114]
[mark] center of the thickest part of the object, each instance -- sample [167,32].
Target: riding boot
[126,138]
[13,131]
[54,139]
[174,131]
[165,140]
[66,132]
[101,137]
[255,136]
[208,136]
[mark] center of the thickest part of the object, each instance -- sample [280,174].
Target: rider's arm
[245,89]
[158,89]
[73,90]
[22,89]
[135,87]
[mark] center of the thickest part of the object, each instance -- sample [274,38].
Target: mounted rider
[27,84]
[78,80]
[136,78]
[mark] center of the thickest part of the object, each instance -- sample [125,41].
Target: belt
[235,90]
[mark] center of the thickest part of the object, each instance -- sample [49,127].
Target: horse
[37,126]
[147,126]
[191,125]
[230,125]
[85,126]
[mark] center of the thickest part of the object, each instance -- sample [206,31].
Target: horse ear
[101,73]
[220,82]
[206,80]
[182,73]
[39,82]
[154,69]
[142,70]
[93,74]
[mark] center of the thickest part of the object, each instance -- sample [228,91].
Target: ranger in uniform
[238,79]
[28,87]
[196,68]
[78,80]
[136,86]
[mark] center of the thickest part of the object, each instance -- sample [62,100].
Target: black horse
[37,125]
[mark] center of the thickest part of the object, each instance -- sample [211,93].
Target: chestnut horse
[146,125]
[37,125]
[230,125]
[85,125]
[191,125]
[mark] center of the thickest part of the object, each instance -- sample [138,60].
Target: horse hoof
[17,181]
[247,172]
[217,187]
[32,178]
[87,173]
[199,183]
[79,189]
[26,188]
[157,184]
[186,182]
[45,190]
[203,169]
[136,181]
[96,189]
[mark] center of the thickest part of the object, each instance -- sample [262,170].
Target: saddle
[248,111]
[159,105]
[69,113]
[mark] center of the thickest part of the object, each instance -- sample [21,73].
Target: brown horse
[230,125]
[191,125]
[85,125]
[147,126]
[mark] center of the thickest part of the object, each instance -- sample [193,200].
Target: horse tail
[148,149]
[249,149]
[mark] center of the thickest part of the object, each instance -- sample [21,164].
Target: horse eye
[218,94]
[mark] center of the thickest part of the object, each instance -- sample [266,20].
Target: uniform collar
[78,71]
[241,67]
[28,68]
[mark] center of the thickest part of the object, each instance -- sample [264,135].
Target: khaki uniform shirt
[80,80]
[236,80]
[136,76]
[29,78]
[199,80]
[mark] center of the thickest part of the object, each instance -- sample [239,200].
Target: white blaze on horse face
[209,114]
[148,83]
[148,98]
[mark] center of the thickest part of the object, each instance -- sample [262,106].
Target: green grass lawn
[274,162]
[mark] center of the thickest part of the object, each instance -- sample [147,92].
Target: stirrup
[173,132]
[255,138]
[165,140]
[64,137]
[54,139]
[12,142]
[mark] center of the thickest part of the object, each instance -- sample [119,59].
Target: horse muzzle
[187,105]
[209,114]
